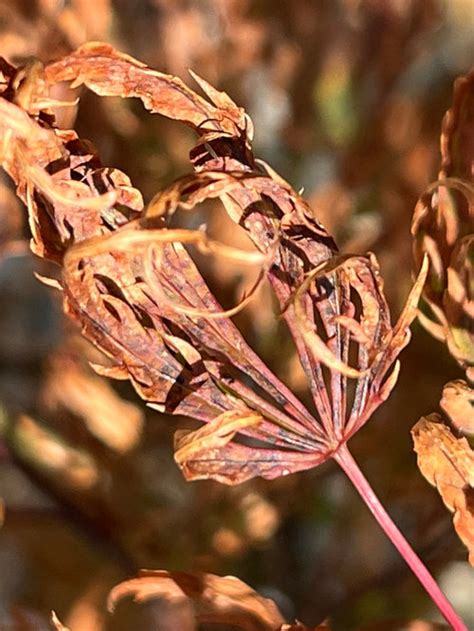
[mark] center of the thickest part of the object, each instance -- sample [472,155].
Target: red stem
[350,467]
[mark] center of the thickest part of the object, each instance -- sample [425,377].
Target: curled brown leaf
[137,294]
[458,403]
[447,462]
[215,599]
[443,228]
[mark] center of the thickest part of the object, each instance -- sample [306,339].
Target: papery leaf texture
[447,462]
[130,283]
[443,228]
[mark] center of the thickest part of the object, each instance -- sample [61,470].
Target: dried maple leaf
[93,62]
[215,599]
[443,228]
[340,313]
[137,294]
[447,462]
[458,403]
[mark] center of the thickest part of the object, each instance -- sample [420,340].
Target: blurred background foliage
[347,98]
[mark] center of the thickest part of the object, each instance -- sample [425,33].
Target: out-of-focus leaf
[58,625]
[216,599]
[73,389]
[458,403]
[10,223]
[299,626]
[443,228]
[52,456]
[413,625]
[447,462]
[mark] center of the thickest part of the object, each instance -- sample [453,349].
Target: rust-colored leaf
[129,282]
[215,435]
[236,463]
[447,462]
[458,403]
[216,599]
[443,228]
[111,73]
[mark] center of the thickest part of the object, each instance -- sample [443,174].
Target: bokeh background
[347,98]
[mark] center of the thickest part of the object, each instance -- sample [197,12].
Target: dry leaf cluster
[130,283]
[443,229]
[134,280]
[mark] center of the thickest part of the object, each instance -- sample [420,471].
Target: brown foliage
[214,599]
[458,403]
[198,598]
[443,228]
[129,281]
[447,462]
[73,389]
[136,293]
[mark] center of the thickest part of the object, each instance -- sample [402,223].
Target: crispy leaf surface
[447,462]
[132,286]
[108,72]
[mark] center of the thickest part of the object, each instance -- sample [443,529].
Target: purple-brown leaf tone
[130,283]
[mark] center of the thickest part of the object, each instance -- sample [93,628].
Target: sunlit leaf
[447,462]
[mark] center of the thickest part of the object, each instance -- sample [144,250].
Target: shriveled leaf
[119,315]
[236,463]
[443,229]
[458,403]
[447,462]
[215,435]
[111,73]
[137,294]
[459,300]
[216,599]
[457,145]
